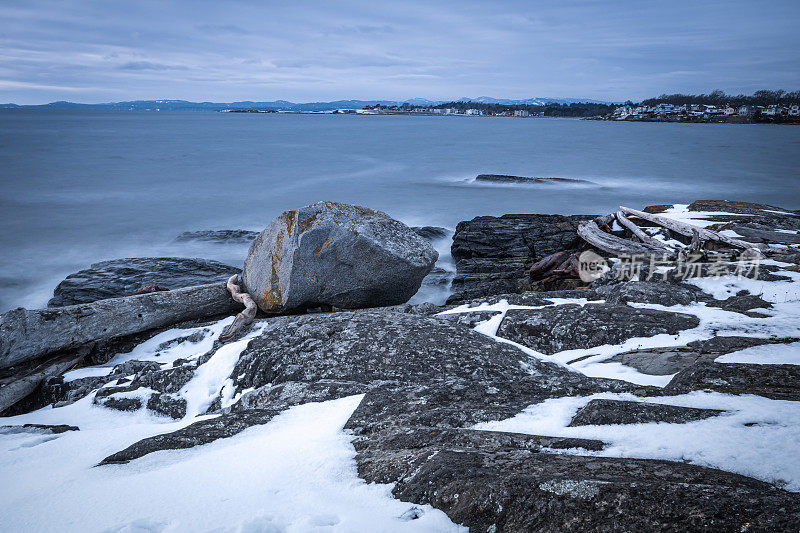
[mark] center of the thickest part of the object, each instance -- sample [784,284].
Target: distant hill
[532,101]
[278,105]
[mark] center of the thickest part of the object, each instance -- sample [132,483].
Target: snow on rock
[769,354]
[296,473]
[758,437]
[213,377]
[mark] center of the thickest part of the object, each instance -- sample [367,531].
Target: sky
[108,50]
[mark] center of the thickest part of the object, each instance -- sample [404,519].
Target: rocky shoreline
[519,405]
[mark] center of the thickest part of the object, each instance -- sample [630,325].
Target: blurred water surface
[83,186]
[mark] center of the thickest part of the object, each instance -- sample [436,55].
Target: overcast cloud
[107,50]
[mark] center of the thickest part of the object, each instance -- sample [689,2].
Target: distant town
[761,107]
[706,113]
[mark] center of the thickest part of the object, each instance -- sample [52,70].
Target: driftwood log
[688,230]
[243,318]
[640,234]
[26,335]
[592,233]
[18,386]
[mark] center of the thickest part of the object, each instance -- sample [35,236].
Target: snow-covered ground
[296,473]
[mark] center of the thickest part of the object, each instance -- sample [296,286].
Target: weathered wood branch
[29,334]
[18,386]
[243,318]
[640,234]
[591,233]
[542,268]
[688,230]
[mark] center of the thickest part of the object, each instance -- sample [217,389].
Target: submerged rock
[338,255]
[123,277]
[221,236]
[505,178]
[431,233]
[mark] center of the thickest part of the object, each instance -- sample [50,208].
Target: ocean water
[83,186]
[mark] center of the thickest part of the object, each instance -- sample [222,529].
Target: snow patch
[766,354]
[756,437]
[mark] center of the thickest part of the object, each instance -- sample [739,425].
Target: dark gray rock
[376,346]
[755,232]
[504,178]
[493,254]
[469,319]
[193,435]
[779,382]
[510,487]
[121,404]
[740,303]
[608,412]
[167,405]
[170,380]
[666,361]
[135,367]
[292,393]
[649,292]
[221,236]
[432,233]
[122,277]
[335,254]
[57,390]
[568,327]
[39,428]
[404,360]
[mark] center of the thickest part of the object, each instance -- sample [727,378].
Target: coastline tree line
[763,97]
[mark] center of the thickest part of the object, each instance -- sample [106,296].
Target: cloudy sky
[109,50]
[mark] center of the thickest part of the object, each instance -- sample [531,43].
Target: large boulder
[335,254]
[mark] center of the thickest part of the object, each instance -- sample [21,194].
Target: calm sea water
[83,186]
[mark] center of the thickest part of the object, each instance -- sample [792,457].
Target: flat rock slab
[649,292]
[517,489]
[779,382]
[122,277]
[39,428]
[415,370]
[568,327]
[193,435]
[609,412]
[666,361]
[378,346]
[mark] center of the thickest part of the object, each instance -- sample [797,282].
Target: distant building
[794,110]
[522,113]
